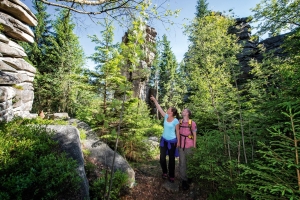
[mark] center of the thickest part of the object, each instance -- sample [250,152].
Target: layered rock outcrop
[251,48]
[140,76]
[99,152]
[16,75]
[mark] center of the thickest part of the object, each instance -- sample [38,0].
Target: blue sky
[179,42]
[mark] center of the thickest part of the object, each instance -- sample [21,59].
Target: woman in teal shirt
[168,142]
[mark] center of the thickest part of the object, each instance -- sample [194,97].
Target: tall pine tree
[201,9]
[37,53]
[106,78]
[59,59]
[169,91]
[67,61]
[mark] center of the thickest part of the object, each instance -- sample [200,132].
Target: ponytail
[175,112]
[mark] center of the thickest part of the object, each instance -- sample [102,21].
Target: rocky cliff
[16,75]
[250,47]
[139,78]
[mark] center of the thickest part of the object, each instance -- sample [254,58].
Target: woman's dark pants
[163,161]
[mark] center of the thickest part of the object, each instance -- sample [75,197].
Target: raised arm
[158,106]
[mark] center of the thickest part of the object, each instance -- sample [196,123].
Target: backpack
[191,136]
[190,126]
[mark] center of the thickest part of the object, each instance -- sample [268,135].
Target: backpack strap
[190,125]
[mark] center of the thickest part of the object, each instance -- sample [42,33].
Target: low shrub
[32,166]
[100,187]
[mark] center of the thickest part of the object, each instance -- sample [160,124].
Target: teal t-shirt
[169,128]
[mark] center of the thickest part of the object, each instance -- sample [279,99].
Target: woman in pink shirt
[186,143]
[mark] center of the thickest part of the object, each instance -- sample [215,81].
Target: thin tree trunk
[239,151]
[296,148]
[214,106]
[240,115]
[228,146]
[251,142]
[229,155]
[105,97]
[116,146]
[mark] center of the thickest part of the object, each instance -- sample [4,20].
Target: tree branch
[121,5]
[82,2]
[70,8]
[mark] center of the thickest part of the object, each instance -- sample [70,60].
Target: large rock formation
[139,78]
[99,152]
[16,75]
[69,141]
[250,47]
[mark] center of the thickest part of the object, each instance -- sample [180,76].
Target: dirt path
[149,185]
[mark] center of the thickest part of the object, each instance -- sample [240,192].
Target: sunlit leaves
[276,16]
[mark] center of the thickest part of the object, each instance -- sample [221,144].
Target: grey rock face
[18,10]
[6,78]
[7,50]
[250,48]
[69,141]
[139,78]
[16,75]
[102,153]
[171,187]
[14,28]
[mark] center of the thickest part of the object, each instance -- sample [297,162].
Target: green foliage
[40,121]
[18,87]
[212,69]
[59,59]
[202,8]
[231,114]
[276,16]
[88,107]
[275,82]
[218,106]
[137,126]
[37,52]
[170,89]
[106,78]
[31,166]
[82,134]
[214,165]
[272,92]
[117,67]
[276,174]
[99,188]
[67,55]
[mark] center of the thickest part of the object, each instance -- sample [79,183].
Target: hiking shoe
[185,185]
[171,179]
[164,176]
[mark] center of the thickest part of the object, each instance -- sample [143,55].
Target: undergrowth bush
[216,172]
[99,188]
[136,127]
[31,165]
[275,174]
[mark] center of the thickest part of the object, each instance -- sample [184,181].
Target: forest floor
[150,185]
